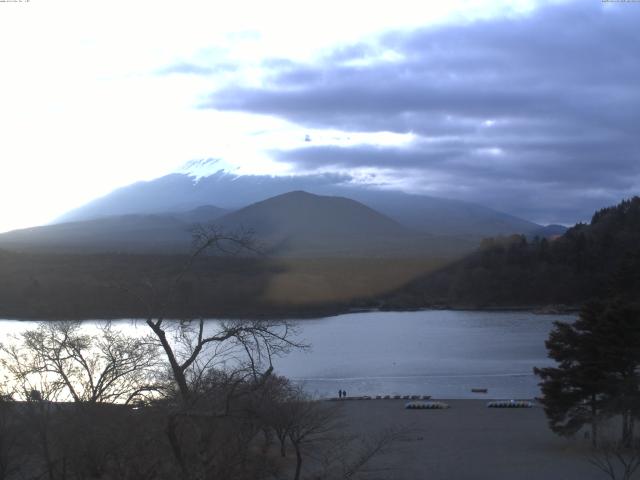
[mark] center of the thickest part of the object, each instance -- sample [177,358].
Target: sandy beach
[469,441]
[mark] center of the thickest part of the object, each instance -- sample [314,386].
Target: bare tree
[619,460]
[237,345]
[274,409]
[311,422]
[350,456]
[61,362]
[241,345]
[217,367]
[316,433]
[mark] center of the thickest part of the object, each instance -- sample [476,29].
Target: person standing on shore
[339,393]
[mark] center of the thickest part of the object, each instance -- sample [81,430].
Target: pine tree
[598,372]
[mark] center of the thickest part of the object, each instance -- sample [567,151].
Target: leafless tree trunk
[213,365]
[185,343]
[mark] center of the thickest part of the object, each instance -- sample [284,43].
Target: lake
[442,353]
[436,352]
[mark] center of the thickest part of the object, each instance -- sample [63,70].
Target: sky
[530,107]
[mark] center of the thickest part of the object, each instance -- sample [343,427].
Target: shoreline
[426,398]
[317,314]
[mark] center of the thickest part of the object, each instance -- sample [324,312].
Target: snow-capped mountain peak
[206,167]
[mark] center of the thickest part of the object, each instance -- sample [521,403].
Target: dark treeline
[589,261]
[81,286]
[49,286]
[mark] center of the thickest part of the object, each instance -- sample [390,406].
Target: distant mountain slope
[300,223]
[587,261]
[292,224]
[305,214]
[165,232]
[178,191]
[202,214]
[442,216]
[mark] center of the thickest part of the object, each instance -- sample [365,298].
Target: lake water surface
[442,353]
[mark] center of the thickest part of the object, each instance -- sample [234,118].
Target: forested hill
[590,260]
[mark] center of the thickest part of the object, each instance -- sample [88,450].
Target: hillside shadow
[65,286]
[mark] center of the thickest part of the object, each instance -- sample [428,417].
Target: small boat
[479,390]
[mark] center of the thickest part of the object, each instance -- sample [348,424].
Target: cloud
[536,113]
[187,68]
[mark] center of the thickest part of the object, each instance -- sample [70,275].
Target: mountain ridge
[292,224]
[302,223]
[178,191]
[130,233]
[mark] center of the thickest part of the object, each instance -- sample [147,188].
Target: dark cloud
[537,114]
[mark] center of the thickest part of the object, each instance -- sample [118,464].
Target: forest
[595,260]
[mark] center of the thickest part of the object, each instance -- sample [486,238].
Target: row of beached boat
[493,404]
[418,402]
[384,397]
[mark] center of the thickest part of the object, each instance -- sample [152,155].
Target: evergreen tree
[598,372]
[619,331]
